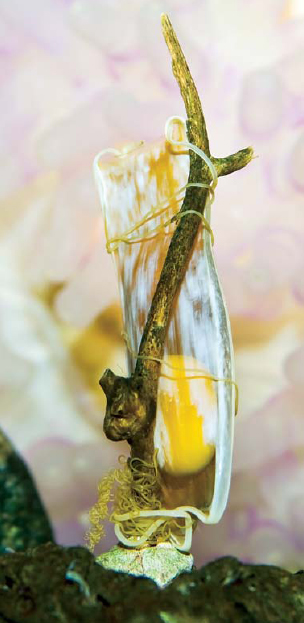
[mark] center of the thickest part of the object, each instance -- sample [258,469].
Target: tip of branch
[165,22]
[250,153]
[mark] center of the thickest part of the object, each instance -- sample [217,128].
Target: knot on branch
[129,410]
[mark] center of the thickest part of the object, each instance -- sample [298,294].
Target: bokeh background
[77,77]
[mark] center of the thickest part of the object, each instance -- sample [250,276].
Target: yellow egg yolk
[183,442]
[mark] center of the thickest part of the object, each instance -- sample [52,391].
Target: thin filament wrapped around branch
[156,211]
[192,373]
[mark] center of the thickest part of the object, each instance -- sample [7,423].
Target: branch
[232,163]
[131,402]
[196,126]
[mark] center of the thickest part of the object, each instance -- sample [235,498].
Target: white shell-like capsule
[196,395]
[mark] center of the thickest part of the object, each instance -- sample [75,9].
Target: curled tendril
[126,237]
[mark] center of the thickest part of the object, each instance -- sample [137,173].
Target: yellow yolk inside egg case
[186,419]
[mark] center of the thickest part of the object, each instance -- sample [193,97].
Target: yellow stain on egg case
[183,442]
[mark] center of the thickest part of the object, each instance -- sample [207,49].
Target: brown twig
[131,402]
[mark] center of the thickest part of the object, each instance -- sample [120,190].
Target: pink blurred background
[79,76]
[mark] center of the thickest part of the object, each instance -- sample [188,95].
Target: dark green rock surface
[45,583]
[23,520]
[52,583]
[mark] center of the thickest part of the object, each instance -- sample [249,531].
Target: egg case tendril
[113,243]
[193,372]
[128,489]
